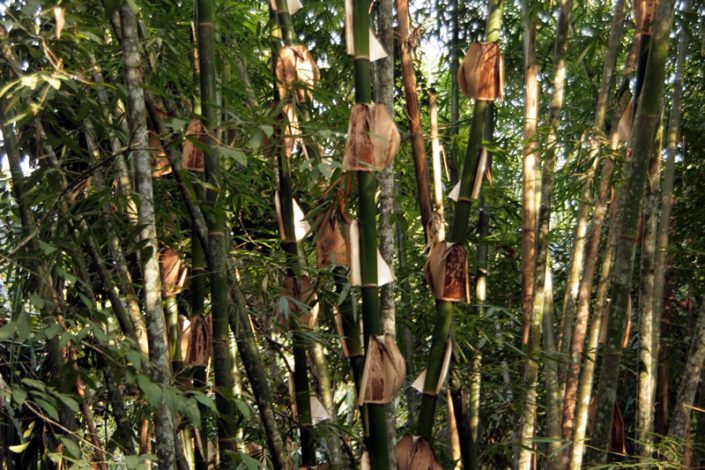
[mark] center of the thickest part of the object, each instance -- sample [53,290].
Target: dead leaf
[481,75]
[373,138]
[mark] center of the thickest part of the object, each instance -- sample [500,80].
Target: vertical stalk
[385,89]
[294,269]
[575,344]
[458,234]
[412,109]
[647,315]
[667,201]
[222,363]
[372,322]
[680,419]
[644,132]
[529,215]
[154,313]
[532,305]
[540,294]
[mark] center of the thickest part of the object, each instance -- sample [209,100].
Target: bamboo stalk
[680,418]
[412,109]
[540,314]
[385,86]
[529,214]
[532,305]
[647,316]
[294,266]
[644,130]
[667,200]
[444,309]
[575,343]
[158,353]
[222,363]
[371,319]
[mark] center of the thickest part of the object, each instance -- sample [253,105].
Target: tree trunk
[154,313]
[644,132]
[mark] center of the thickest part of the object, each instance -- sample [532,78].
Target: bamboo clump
[300,297]
[481,75]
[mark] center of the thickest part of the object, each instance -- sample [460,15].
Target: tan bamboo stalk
[529,214]
[436,166]
[412,109]
[575,343]
[644,131]
[454,58]
[544,316]
[154,313]
[571,297]
[531,332]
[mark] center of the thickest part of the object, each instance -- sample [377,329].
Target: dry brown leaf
[373,138]
[384,371]
[331,247]
[416,453]
[481,75]
[173,271]
[296,72]
[200,341]
[301,298]
[446,271]
[192,155]
[644,12]
[160,162]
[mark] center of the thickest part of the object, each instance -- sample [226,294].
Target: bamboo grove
[352,234]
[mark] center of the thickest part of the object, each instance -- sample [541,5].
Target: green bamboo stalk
[376,442]
[222,363]
[644,132]
[294,267]
[458,234]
